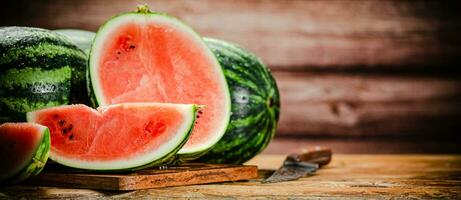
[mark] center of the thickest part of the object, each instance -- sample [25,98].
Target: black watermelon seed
[61,122]
[71,137]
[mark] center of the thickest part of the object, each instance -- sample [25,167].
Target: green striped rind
[37,163]
[255,105]
[38,68]
[16,36]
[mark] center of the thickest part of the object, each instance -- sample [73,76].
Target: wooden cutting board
[186,174]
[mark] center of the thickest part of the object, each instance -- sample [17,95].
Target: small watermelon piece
[119,137]
[255,105]
[152,57]
[82,38]
[24,149]
[38,69]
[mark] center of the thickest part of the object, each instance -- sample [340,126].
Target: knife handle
[318,155]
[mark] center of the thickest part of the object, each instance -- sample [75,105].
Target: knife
[296,166]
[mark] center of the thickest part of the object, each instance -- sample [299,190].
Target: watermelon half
[24,151]
[118,137]
[152,57]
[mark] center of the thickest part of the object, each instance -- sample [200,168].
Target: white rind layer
[111,26]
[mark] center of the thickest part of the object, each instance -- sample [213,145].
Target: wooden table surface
[348,176]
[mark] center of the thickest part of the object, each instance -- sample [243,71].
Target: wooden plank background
[346,69]
[288,34]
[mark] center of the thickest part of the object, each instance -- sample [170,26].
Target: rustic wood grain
[370,145]
[350,104]
[289,34]
[347,177]
[187,174]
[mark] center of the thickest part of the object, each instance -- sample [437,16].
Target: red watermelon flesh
[116,137]
[18,145]
[148,57]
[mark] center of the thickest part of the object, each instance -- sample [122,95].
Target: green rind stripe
[255,105]
[243,150]
[15,36]
[237,66]
[248,65]
[238,133]
[22,78]
[41,50]
[237,153]
[25,105]
[246,84]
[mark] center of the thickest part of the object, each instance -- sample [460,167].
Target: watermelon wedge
[24,151]
[119,137]
[152,57]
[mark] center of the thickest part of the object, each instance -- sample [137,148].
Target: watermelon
[255,105]
[119,137]
[82,38]
[38,68]
[24,149]
[145,56]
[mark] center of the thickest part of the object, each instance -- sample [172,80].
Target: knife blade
[296,166]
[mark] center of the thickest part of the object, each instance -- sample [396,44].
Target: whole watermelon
[255,105]
[38,68]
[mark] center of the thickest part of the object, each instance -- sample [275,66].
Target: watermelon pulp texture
[38,68]
[152,57]
[127,136]
[24,151]
[255,105]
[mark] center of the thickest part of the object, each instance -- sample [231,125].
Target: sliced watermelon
[118,137]
[153,57]
[24,150]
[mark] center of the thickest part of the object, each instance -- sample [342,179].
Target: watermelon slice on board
[152,57]
[24,151]
[119,137]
